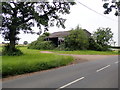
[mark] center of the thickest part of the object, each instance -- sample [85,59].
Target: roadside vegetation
[20,60]
[88,52]
[78,39]
[31,61]
[40,43]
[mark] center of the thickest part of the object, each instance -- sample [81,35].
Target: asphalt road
[93,74]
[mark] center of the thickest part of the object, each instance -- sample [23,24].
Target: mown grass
[88,52]
[32,61]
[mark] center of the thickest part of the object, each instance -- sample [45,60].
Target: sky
[84,17]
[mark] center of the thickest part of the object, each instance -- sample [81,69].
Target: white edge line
[103,68]
[71,83]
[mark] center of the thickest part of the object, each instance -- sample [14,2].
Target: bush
[61,47]
[46,45]
[7,51]
[41,44]
[106,48]
[77,40]
[93,45]
[118,52]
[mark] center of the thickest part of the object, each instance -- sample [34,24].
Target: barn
[58,37]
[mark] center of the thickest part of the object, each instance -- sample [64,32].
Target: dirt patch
[46,52]
[82,58]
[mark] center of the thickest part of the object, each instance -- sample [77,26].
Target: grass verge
[88,52]
[32,61]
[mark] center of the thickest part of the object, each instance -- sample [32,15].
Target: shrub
[7,51]
[118,52]
[41,44]
[93,45]
[77,40]
[61,47]
[106,48]
[46,45]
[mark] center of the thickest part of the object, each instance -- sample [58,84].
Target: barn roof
[64,33]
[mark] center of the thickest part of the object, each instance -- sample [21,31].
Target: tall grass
[32,61]
[88,52]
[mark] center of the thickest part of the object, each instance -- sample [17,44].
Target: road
[93,74]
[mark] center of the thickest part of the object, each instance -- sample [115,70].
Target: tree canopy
[103,36]
[112,4]
[77,40]
[24,15]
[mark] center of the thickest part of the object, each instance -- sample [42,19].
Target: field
[32,61]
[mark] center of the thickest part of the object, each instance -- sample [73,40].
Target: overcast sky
[85,18]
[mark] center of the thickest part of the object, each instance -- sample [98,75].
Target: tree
[77,40]
[113,4]
[103,36]
[25,42]
[24,15]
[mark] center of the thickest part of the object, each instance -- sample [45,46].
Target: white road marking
[116,62]
[103,68]
[71,83]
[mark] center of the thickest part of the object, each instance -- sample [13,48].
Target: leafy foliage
[46,33]
[41,44]
[113,4]
[24,15]
[103,36]
[93,45]
[61,47]
[8,52]
[77,40]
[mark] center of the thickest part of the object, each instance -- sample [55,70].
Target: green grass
[0,48]
[32,61]
[88,52]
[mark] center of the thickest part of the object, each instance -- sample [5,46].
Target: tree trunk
[12,44]
[12,38]
[10,49]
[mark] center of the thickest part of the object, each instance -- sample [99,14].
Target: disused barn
[58,37]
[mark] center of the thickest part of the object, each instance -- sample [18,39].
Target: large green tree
[103,36]
[19,16]
[109,5]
